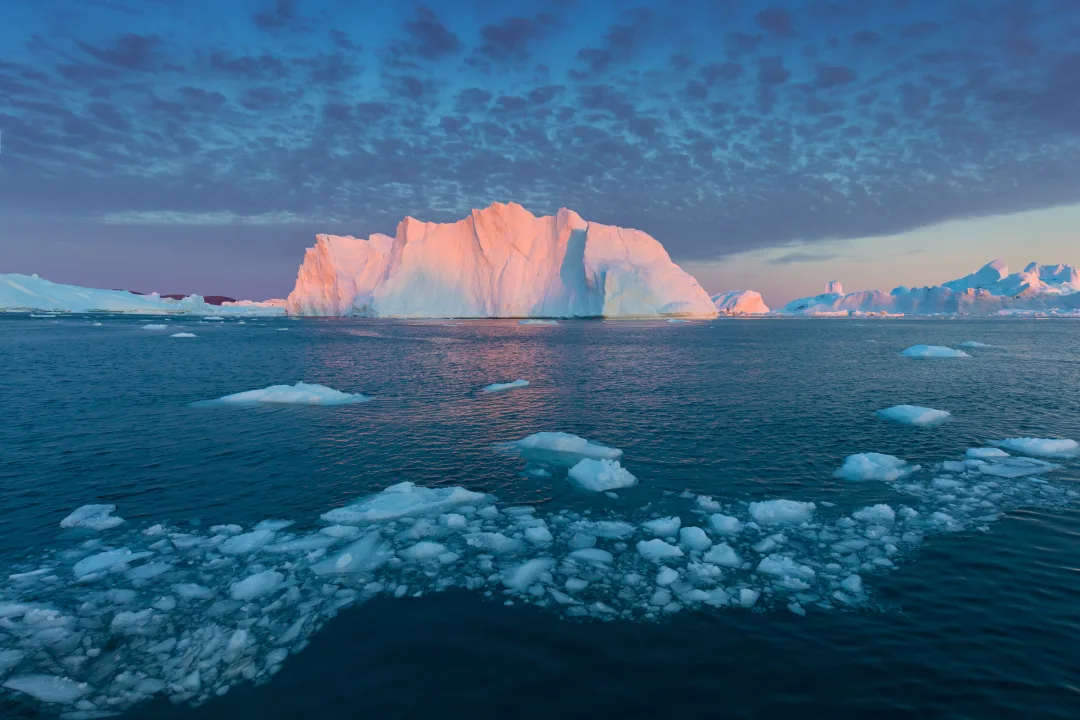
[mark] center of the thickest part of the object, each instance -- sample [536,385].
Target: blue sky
[198,146]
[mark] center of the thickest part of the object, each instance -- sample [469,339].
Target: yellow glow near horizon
[927,256]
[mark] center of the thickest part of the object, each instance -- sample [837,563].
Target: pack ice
[501,261]
[95,626]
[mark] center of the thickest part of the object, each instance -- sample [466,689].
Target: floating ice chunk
[365,555]
[307,543]
[723,555]
[213,318]
[657,549]
[985,453]
[499,387]
[565,444]
[155,326]
[94,517]
[299,394]
[784,567]
[694,538]
[341,531]
[666,576]
[193,591]
[255,585]
[106,560]
[147,571]
[601,475]
[494,542]
[853,584]
[663,527]
[877,514]
[973,344]
[873,466]
[1043,447]
[725,524]
[538,535]
[748,597]
[612,529]
[593,555]
[183,335]
[520,577]
[914,415]
[933,351]
[48,688]
[1014,467]
[403,500]
[247,542]
[781,512]
[537,322]
[424,551]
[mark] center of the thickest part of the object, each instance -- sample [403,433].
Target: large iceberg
[30,292]
[740,302]
[501,261]
[1048,289]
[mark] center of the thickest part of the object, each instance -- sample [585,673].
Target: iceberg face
[30,292]
[1050,289]
[740,302]
[501,261]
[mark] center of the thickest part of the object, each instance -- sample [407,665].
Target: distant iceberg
[740,302]
[914,415]
[500,387]
[299,394]
[991,290]
[933,351]
[501,261]
[21,293]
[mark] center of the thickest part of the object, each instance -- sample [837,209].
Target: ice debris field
[119,613]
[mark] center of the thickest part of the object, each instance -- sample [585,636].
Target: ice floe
[600,475]
[155,326]
[874,466]
[183,335]
[1043,447]
[553,444]
[538,322]
[499,387]
[299,394]
[933,351]
[98,626]
[914,415]
[94,517]
[973,344]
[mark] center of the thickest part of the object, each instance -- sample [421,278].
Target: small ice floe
[933,351]
[1042,447]
[600,475]
[183,335]
[299,394]
[155,326]
[874,466]
[499,387]
[985,453]
[93,517]
[676,320]
[213,318]
[48,688]
[973,344]
[42,315]
[564,444]
[781,512]
[538,322]
[914,415]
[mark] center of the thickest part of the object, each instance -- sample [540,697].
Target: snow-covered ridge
[1042,289]
[30,292]
[501,261]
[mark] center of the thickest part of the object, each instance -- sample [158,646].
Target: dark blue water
[978,620]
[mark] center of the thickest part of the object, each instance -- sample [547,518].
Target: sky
[199,146]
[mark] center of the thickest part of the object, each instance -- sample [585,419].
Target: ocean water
[973,616]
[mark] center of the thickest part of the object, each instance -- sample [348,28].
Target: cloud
[430,39]
[792,258]
[775,20]
[834,75]
[132,52]
[281,15]
[511,38]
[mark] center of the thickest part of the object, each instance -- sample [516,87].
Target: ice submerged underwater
[123,613]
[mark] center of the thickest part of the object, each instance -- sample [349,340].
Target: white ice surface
[600,475]
[873,466]
[299,394]
[1043,447]
[914,415]
[565,444]
[499,387]
[933,351]
[94,517]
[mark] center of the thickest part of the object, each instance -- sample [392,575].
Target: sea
[458,574]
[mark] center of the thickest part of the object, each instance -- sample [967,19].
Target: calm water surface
[980,623]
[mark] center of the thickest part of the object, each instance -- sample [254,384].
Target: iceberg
[740,302]
[873,466]
[914,415]
[93,517]
[22,293]
[991,290]
[499,387]
[501,261]
[933,351]
[564,444]
[299,394]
